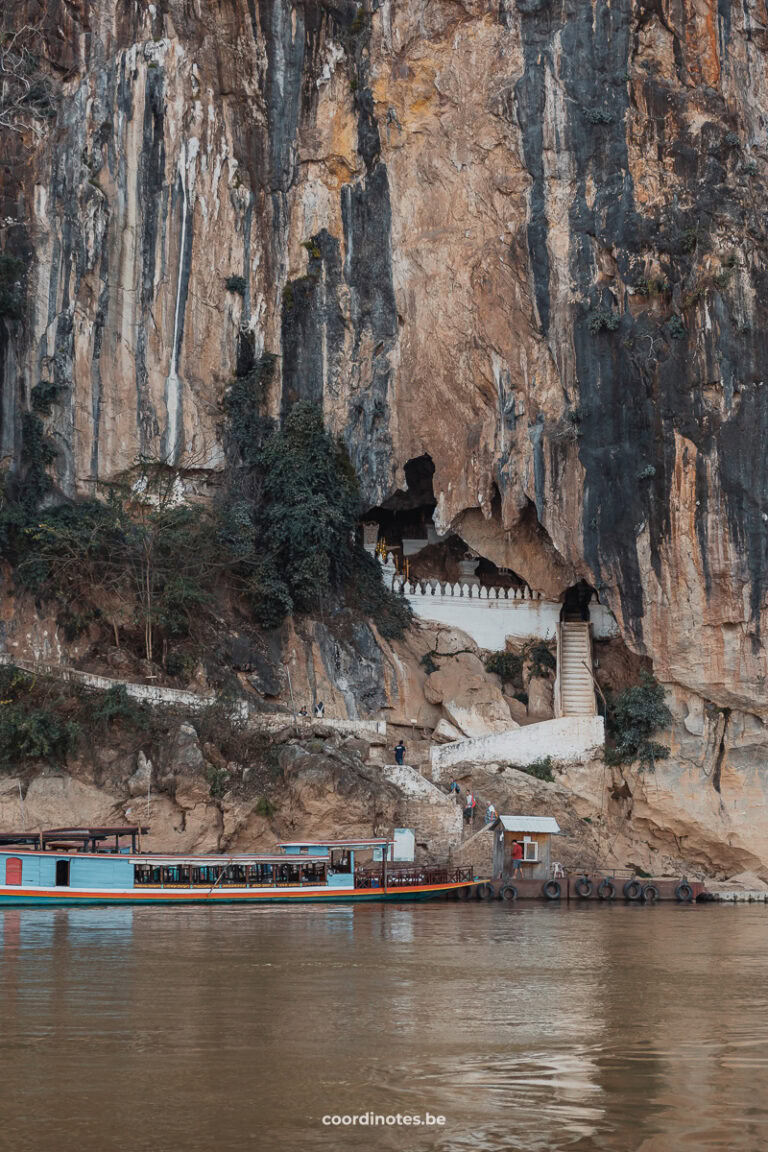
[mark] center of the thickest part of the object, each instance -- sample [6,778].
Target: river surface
[531,1027]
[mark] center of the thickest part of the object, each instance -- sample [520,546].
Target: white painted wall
[489,622]
[489,615]
[571,738]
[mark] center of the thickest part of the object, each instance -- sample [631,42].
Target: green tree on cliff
[634,717]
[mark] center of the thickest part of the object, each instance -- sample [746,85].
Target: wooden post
[384,855]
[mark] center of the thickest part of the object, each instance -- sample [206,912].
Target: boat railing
[410,875]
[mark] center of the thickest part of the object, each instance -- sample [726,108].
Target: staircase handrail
[557,695]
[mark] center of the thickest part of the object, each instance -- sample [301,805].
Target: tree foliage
[141,557]
[507,665]
[151,560]
[292,514]
[310,508]
[28,729]
[11,287]
[634,717]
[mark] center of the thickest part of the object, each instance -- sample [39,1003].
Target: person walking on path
[469,808]
[400,753]
[454,789]
[490,814]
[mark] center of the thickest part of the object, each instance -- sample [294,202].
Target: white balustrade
[489,615]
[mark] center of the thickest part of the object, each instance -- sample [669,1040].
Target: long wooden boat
[86,866]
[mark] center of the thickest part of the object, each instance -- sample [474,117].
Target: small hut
[535,834]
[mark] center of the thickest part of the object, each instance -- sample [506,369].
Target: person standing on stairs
[469,808]
[400,753]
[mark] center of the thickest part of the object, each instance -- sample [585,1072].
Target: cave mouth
[576,601]
[403,524]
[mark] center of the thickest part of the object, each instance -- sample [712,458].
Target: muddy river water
[529,1027]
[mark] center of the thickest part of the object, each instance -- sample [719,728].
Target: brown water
[533,1028]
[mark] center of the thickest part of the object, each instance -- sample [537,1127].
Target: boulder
[139,783]
[433,689]
[186,755]
[478,711]
[472,701]
[453,673]
[450,641]
[540,698]
[517,709]
[445,733]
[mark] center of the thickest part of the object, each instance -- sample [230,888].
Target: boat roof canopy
[73,838]
[20,838]
[97,833]
[372,842]
[206,861]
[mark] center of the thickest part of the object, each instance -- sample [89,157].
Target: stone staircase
[576,688]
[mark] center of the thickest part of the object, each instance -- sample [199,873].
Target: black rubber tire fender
[583,887]
[484,892]
[684,893]
[551,889]
[465,893]
[508,892]
[632,890]
[650,894]
[606,890]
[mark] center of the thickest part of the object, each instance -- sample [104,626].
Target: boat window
[341,861]
[313,874]
[261,874]
[234,876]
[175,876]
[146,874]
[288,873]
[62,873]
[13,867]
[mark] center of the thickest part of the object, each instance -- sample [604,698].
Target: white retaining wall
[489,622]
[375,731]
[156,695]
[489,615]
[571,738]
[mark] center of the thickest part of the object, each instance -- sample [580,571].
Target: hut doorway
[62,873]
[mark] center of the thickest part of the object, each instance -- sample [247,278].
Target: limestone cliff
[521,237]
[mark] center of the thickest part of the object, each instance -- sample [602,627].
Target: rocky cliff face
[523,238]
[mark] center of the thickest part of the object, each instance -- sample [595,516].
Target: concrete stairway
[577,692]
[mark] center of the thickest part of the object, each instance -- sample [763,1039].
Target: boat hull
[73,897]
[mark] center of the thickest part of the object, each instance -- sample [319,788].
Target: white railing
[557,695]
[468,591]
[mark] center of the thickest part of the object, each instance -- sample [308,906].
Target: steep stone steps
[577,692]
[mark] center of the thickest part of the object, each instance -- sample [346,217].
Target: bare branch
[26,93]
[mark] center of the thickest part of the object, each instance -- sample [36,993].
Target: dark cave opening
[402,526]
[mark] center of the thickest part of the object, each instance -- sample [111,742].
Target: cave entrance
[402,527]
[576,601]
[403,524]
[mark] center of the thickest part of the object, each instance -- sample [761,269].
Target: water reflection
[530,1028]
